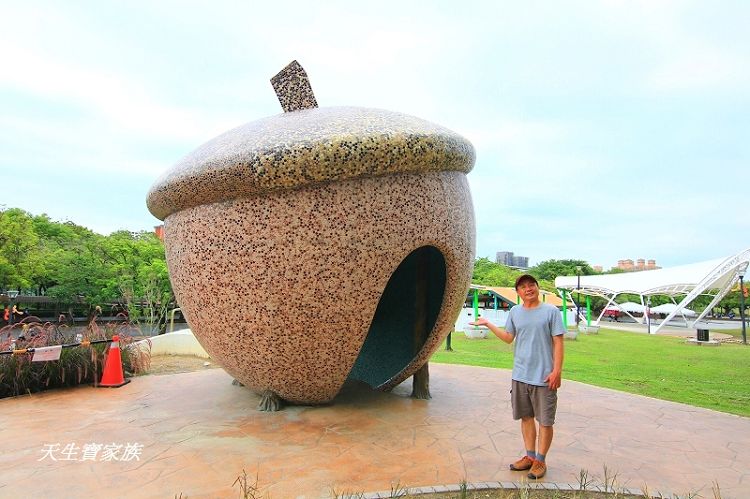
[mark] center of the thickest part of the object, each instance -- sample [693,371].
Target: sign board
[42,354]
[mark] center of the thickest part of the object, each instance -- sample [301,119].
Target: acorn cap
[307,147]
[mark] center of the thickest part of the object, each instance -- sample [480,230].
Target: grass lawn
[656,366]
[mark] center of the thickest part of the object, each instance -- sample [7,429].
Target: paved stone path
[199,432]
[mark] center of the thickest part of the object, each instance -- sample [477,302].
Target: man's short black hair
[525,278]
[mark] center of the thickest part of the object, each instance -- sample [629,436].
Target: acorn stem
[292,87]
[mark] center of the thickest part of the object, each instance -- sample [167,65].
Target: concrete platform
[181,342]
[709,343]
[198,432]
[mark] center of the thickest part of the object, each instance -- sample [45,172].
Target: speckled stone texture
[256,278]
[290,150]
[271,226]
[293,88]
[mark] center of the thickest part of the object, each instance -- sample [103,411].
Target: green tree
[55,241]
[78,266]
[156,294]
[140,277]
[18,245]
[77,273]
[489,273]
[551,269]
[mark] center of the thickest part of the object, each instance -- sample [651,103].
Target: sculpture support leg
[269,402]
[421,383]
[420,388]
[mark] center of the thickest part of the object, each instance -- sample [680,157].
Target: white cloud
[53,145]
[563,104]
[114,98]
[702,68]
[516,133]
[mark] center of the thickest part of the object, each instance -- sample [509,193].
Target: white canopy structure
[714,278]
[668,308]
[628,306]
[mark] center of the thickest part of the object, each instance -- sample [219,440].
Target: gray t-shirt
[533,329]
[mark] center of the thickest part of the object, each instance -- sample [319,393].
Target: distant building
[521,261]
[511,260]
[626,265]
[597,268]
[504,257]
[159,231]
[638,265]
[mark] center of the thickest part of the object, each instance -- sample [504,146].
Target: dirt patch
[173,364]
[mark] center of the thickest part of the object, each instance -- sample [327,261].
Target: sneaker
[522,464]
[538,469]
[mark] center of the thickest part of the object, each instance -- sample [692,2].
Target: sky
[603,130]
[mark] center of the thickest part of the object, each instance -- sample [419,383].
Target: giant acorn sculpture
[320,245]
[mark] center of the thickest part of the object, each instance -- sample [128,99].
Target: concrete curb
[176,343]
[478,486]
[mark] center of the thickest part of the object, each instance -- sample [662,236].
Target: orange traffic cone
[113,377]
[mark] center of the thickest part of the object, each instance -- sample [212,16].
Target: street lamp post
[742,304]
[578,289]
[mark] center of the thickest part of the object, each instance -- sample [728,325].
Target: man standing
[538,332]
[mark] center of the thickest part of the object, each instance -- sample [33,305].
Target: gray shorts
[533,401]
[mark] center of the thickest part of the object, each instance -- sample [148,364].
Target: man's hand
[554,380]
[500,333]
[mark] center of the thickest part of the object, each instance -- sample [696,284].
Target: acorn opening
[404,318]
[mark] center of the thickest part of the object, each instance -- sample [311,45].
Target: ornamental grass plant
[82,364]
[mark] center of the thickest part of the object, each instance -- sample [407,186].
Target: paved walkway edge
[477,486]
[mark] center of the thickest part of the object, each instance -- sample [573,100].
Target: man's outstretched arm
[499,332]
